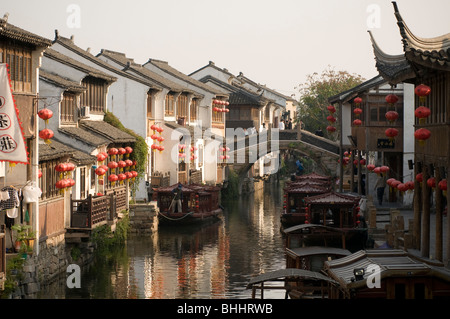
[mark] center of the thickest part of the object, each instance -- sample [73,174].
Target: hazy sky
[276,43]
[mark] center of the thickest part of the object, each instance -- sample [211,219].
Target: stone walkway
[383,218]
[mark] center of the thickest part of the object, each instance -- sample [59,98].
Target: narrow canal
[214,261]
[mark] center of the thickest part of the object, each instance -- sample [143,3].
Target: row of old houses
[399,120]
[86,166]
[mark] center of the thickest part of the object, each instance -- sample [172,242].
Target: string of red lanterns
[46,134]
[422,112]
[221,106]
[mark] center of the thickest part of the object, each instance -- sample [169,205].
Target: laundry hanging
[13,200]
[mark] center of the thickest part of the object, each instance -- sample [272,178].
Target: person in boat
[178,198]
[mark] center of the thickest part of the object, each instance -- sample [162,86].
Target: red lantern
[422,91]
[377,170]
[443,186]
[113,165]
[128,150]
[331,128]
[113,178]
[402,187]
[410,185]
[159,129]
[362,162]
[61,167]
[422,113]
[422,134]
[129,163]
[154,147]
[392,99]
[419,177]
[121,164]
[128,175]
[121,177]
[61,184]
[46,134]
[70,182]
[331,119]
[331,108]
[121,151]
[384,169]
[160,139]
[101,157]
[357,100]
[39,173]
[161,148]
[357,111]
[113,151]
[395,183]
[153,127]
[45,114]
[431,182]
[100,171]
[370,167]
[391,116]
[389,181]
[357,122]
[391,133]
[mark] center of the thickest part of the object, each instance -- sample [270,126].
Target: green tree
[314,94]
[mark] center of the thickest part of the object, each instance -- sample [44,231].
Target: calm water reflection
[214,261]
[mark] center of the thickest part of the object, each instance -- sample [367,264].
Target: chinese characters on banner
[12,143]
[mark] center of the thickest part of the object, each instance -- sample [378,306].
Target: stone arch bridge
[244,152]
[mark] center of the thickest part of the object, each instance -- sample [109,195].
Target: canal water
[203,262]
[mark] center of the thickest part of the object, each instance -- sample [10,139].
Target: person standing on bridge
[289,124]
[281,125]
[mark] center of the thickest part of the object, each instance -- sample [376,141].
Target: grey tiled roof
[70,44]
[10,31]
[163,65]
[54,55]
[113,134]
[85,136]
[57,149]
[61,81]
[129,65]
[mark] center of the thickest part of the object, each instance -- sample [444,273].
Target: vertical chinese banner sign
[12,143]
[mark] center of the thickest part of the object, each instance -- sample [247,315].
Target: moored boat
[199,204]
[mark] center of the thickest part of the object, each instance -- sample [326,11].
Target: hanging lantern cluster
[220,106]
[224,155]
[391,116]
[65,176]
[330,118]
[119,160]
[422,112]
[402,187]
[345,158]
[193,156]
[46,134]
[380,169]
[157,138]
[357,111]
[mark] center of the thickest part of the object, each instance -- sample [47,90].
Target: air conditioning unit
[85,111]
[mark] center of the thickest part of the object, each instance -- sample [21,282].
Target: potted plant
[25,238]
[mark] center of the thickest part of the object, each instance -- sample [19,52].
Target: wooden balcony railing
[91,212]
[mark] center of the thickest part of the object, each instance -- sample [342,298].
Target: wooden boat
[200,204]
[294,209]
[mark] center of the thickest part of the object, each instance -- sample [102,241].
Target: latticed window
[169,105]
[182,106]
[95,94]
[48,180]
[19,62]
[193,109]
[68,107]
[218,117]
